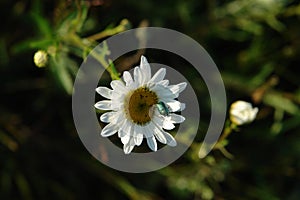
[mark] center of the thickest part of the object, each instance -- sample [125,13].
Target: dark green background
[252,42]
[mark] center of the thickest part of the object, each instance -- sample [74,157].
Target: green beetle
[163,108]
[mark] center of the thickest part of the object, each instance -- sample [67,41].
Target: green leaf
[33,43]
[42,24]
[61,66]
[23,186]
[82,15]
[262,76]
[291,123]
[278,101]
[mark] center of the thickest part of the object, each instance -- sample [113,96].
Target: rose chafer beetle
[163,108]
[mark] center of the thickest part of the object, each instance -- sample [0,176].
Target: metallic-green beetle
[162,108]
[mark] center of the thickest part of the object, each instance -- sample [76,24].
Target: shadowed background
[254,43]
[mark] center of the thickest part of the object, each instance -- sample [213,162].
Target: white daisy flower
[141,107]
[242,112]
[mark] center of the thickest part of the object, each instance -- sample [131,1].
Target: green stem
[75,40]
[226,133]
[109,32]
[221,145]
[114,74]
[226,153]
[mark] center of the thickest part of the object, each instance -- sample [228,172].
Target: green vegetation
[255,44]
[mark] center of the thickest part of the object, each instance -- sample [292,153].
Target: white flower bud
[40,58]
[242,112]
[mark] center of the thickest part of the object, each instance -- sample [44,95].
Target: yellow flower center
[139,105]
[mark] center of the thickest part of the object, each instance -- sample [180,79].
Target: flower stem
[110,67]
[226,133]
[222,140]
[75,40]
[109,32]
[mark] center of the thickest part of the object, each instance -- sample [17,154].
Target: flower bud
[40,58]
[242,112]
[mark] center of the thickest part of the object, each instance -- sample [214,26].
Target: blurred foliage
[254,43]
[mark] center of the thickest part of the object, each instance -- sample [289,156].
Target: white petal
[241,105]
[174,105]
[253,113]
[157,119]
[174,118]
[145,69]
[182,106]
[117,101]
[150,84]
[118,117]
[138,76]
[121,133]
[159,135]
[118,86]
[128,146]
[107,117]
[104,91]
[127,78]
[119,94]
[162,122]
[170,139]
[159,75]
[109,130]
[116,105]
[103,105]
[125,139]
[126,127]
[176,89]
[167,124]
[163,93]
[138,135]
[151,141]
[134,85]
[148,130]
[138,139]
[163,83]
[237,119]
